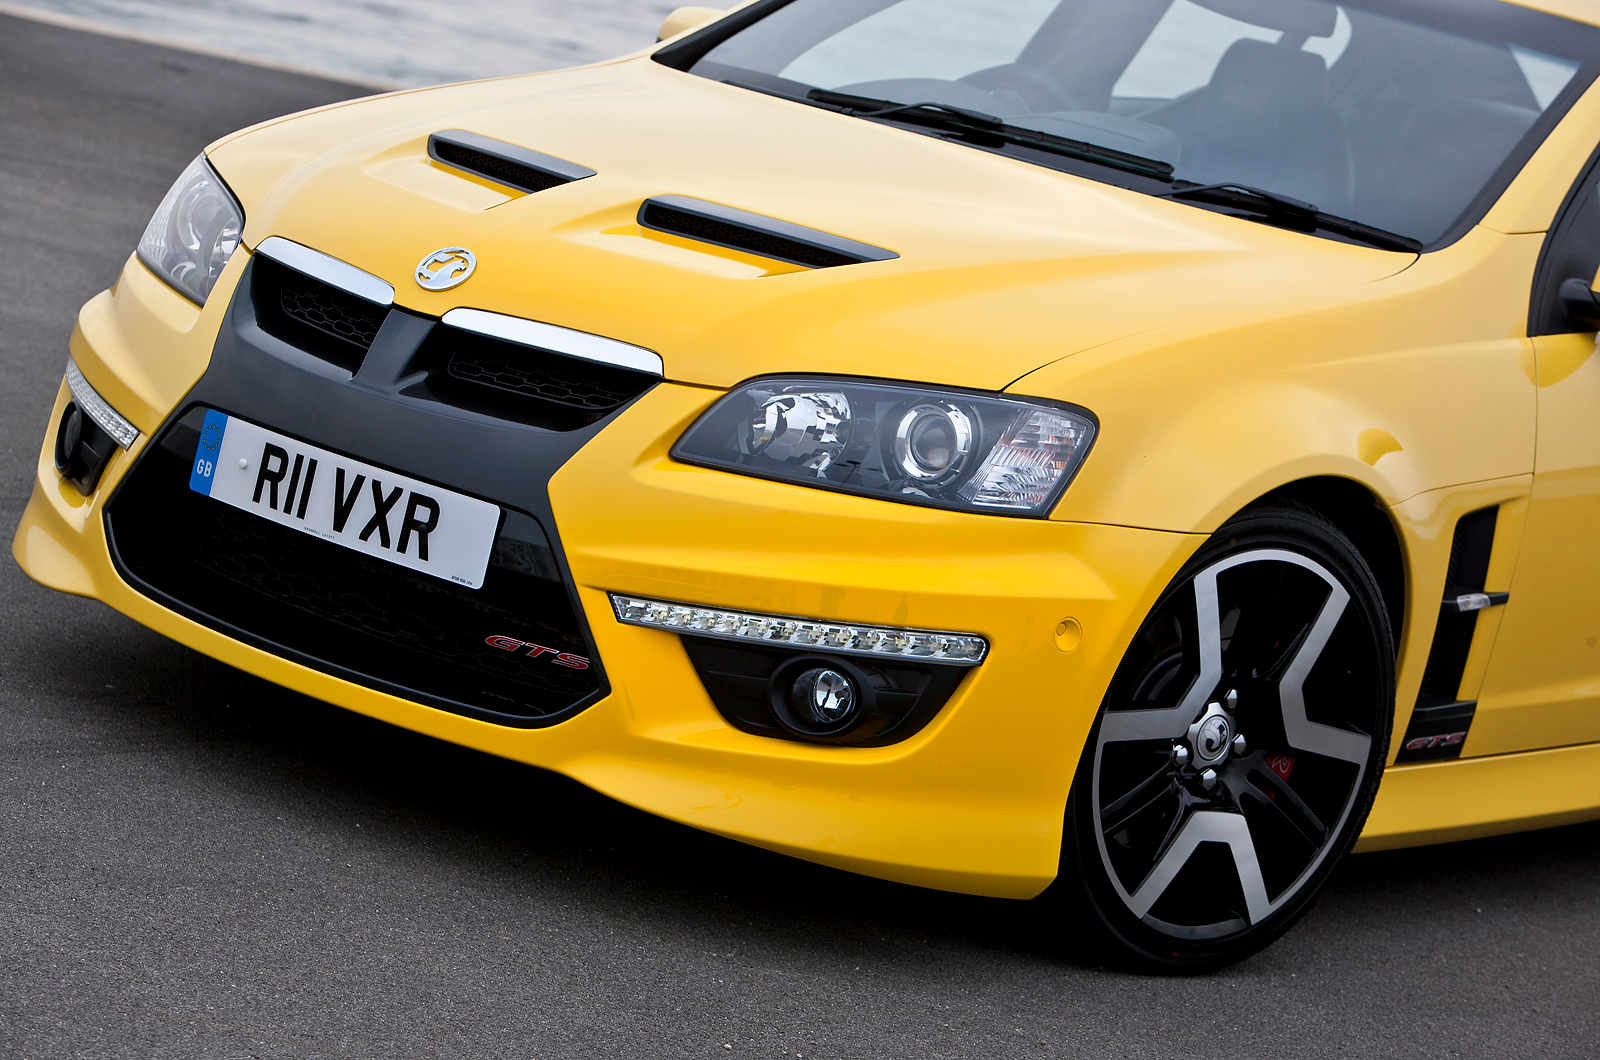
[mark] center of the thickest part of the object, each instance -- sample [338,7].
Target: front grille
[332,311]
[322,320]
[345,613]
[534,374]
[535,386]
[453,367]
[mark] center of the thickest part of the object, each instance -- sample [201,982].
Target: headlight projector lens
[932,443]
[815,695]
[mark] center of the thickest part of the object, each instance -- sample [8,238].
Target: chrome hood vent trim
[753,233]
[503,163]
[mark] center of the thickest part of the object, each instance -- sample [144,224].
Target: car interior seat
[1264,120]
[1429,118]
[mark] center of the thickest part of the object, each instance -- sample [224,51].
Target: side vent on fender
[1439,721]
[503,163]
[753,233]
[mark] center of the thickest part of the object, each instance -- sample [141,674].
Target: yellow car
[973,444]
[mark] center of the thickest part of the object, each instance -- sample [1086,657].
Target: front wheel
[1238,749]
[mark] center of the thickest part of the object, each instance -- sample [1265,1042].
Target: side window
[1572,251]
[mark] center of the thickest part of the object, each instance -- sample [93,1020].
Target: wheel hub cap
[1209,737]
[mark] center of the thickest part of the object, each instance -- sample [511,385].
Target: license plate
[368,509]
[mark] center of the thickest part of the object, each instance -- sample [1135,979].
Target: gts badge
[539,651]
[1429,743]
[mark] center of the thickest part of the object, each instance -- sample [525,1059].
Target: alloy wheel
[1238,750]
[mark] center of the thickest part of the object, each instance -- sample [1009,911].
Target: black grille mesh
[407,632]
[762,244]
[414,612]
[544,377]
[330,310]
[501,170]
[524,383]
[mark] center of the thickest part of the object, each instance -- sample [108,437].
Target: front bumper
[973,802]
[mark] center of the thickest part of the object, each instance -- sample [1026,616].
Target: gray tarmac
[195,863]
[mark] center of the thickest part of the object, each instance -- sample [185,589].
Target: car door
[1542,686]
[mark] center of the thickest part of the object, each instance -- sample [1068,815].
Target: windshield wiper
[867,107]
[1276,208]
[960,119]
[1293,213]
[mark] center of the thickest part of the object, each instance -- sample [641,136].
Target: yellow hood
[1004,266]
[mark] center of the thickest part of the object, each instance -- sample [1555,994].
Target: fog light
[82,449]
[68,437]
[824,696]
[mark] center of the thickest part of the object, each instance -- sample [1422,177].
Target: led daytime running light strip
[880,642]
[96,408]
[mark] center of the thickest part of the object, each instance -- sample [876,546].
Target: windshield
[1400,114]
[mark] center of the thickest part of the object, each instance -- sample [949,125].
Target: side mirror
[687,18]
[1581,302]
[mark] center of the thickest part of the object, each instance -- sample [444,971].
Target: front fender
[1418,382]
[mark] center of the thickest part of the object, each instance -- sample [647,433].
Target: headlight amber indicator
[918,445]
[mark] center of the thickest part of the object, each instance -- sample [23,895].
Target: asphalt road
[194,863]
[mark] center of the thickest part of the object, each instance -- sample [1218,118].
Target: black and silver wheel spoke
[1159,786]
[1207,826]
[1178,769]
[1280,799]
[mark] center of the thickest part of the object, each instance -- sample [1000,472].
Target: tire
[1275,631]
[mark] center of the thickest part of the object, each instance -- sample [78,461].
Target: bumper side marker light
[1467,602]
[99,409]
[877,642]
[89,434]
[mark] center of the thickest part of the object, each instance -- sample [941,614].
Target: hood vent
[754,233]
[503,163]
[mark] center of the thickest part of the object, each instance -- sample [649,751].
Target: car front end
[742,398]
[963,790]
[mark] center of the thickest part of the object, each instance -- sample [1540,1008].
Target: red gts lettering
[576,662]
[1423,743]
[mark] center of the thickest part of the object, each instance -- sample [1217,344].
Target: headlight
[942,448]
[194,232]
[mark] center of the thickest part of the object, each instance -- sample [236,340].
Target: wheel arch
[1280,526]
[1362,517]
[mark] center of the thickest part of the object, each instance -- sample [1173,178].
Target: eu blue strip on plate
[205,454]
